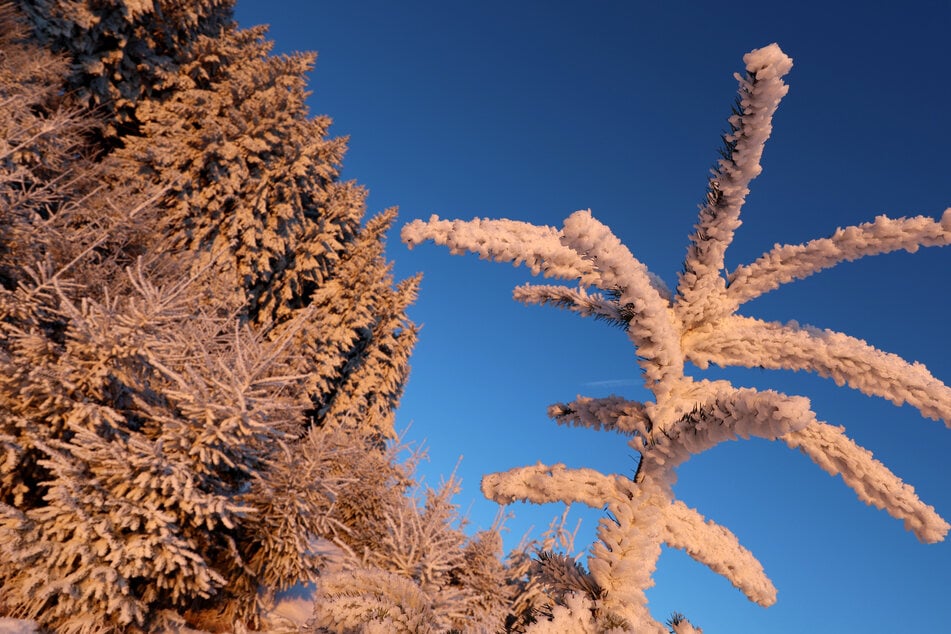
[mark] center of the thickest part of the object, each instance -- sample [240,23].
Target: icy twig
[539,248]
[701,286]
[542,484]
[875,484]
[748,342]
[611,413]
[785,263]
[717,548]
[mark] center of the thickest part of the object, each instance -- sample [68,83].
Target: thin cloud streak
[612,383]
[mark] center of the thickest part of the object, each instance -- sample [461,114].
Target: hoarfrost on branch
[698,323]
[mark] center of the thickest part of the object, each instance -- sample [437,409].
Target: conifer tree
[251,186]
[201,340]
[698,322]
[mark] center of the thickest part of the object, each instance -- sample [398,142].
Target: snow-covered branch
[574,299]
[717,548]
[617,267]
[373,600]
[701,285]
[741,413]
[875,484]
[611,413]
[624,558]
[539,248]
[541,484]
[651,328]
[785,263]
[747,342]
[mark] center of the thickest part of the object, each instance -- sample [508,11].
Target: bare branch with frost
[788,262]
[539,248]
[701,284]
[652,328]
[576,300]
[875,484]
[748,342]
[717,548]
[541,484]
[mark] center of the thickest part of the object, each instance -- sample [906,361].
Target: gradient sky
[532,110]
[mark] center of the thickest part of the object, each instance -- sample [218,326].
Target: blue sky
[532,110]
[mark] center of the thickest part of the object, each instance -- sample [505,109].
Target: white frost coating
[539,248]
[374,601]
[702,285]
[768,62]
[763,90]
[742,413]
[17,626]
[542,484]
[610,413]
[875,484]
[743,341]
[624,558]
[652,328]
[684,397]
[788,262]
[717,548]
[575,617]
[574,299]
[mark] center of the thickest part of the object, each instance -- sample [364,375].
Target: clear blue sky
[532,110]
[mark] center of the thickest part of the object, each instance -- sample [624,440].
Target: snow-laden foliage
[123,50]
[250,185]
[248,172]
[424,574]
[201,343]
[699,323]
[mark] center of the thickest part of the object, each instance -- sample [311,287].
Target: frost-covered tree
[423,574]
[417,569]
[698,322]
[201,342]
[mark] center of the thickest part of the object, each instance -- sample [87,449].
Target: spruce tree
[202,341]
[251,185]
